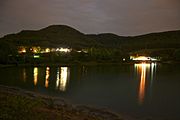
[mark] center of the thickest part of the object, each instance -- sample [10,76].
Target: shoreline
[13,99]
[85,63]
[49,107]
[80,63]
[54,104]
[60,64]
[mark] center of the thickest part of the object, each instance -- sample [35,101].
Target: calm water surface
[139,89]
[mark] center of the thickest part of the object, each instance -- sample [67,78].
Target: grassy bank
[17,104]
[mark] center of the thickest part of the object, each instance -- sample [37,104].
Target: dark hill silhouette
[62,35]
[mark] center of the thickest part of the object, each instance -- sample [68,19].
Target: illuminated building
[142,58]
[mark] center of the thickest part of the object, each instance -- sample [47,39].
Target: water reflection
[153,70]
[35,75]
[62,78]
[60,82]
[143,69]
[57,80]
[47,77]
[153,73]
[24,74]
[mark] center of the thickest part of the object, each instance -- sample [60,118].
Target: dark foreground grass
[16,104]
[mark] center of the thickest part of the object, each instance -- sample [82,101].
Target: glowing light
[57,80]
[34,51]
[153,66]
[85,51]
[35,75]
[36,56]
[153,70]
[140,65]
[143,58]
[47,50]
[62,78]
[141,68]
[47,77]
[22,50]
[142,84]
[63,49]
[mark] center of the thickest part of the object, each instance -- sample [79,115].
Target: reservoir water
[151,90]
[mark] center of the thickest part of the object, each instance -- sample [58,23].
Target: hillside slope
[62,35]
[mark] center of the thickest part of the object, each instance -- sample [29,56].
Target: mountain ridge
[56,35]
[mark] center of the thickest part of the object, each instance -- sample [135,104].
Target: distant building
[142,58]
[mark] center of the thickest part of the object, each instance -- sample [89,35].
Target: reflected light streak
[35,75]
[57,80]
[62,78]
[141,68]
[142,84]
[153,71]
[47,77]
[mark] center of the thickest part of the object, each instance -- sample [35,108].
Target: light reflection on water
[58,79]
[35,75]
[142,89]
[62,78]
[47,77]
[143,69]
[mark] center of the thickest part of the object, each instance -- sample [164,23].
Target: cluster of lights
[142,58]
[62,77]
[23,49]
[47,50]
[63,50]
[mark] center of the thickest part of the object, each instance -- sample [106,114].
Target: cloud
[124,17]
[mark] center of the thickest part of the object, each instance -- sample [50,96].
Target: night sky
[122,17]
